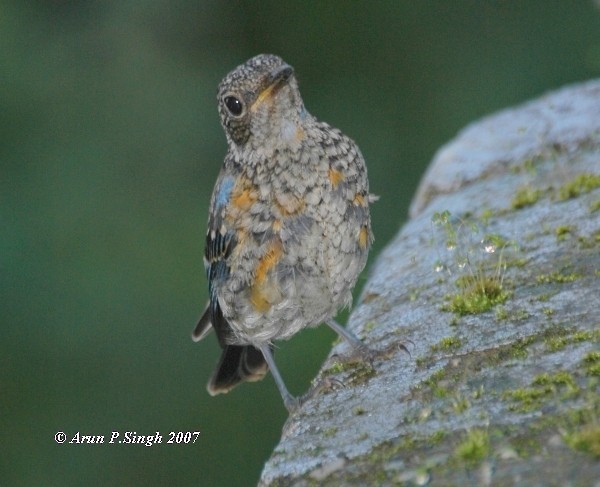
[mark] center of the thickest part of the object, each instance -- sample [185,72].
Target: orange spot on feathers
[335,177]
[363,237]
[262,291]
[244,199]
[359,200]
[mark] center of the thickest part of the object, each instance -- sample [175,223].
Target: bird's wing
[219,244]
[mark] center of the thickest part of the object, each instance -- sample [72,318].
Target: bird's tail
[238,363]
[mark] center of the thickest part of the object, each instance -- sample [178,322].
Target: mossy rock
[501,385]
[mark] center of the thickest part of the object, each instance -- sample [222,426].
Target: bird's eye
[234,105]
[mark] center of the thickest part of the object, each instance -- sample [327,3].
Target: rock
[493,285]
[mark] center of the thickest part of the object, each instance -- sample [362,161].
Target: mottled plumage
[289,227]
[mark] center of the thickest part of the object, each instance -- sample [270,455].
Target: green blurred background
[109,146]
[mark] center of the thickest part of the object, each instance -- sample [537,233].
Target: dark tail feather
[237,364]
[203,327]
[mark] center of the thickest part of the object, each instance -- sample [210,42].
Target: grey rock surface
[493,285]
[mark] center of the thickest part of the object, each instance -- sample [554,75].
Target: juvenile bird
[288,229]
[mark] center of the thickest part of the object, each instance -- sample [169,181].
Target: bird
[289,227]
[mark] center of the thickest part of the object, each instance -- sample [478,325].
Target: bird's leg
[360,352]
[367,354]
[357,345]
[291,403]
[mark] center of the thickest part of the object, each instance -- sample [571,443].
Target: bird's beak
[280,74]
[275,80]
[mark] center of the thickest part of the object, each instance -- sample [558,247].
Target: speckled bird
[288,229]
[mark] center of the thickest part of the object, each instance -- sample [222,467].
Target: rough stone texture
[500,397]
